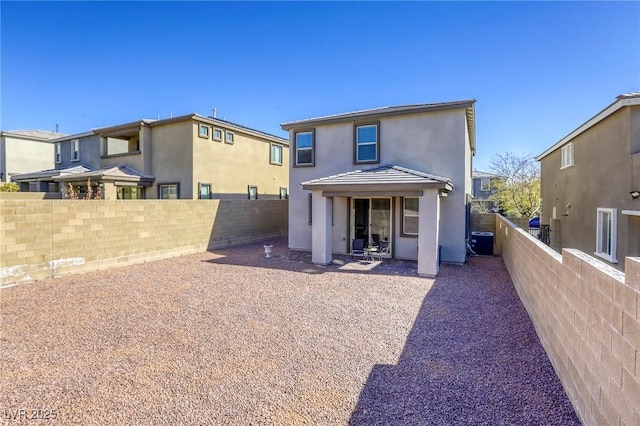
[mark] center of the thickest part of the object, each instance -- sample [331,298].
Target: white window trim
[215,129]
[614,234]
[567,156]
[202,134]
[57,153]
[75,143]
[271,156]
[229,137]
[404,215]
[487,188]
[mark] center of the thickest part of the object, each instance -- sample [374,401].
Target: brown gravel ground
[232,338]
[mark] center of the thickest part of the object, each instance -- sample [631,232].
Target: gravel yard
[232,338]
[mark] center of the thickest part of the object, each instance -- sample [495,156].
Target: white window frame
[57,153]
[169,186]
[272,158]
[485,184]
[203,131]
[607,217]
[217,132]
[404,215]
[375,143]
[567,158]
[253,192]
[284,195]
[228,137]
[75,150]
[307,148]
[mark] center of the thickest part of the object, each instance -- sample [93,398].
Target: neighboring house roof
[43,135]
[192,116]
[624,100]
[477,174]
[387,111]
[74,136]
[118,173]
[380,177]
[51,173]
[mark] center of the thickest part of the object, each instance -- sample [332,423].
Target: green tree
[518,194]
[10,187]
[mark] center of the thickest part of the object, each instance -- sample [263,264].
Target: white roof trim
[620,103]
[631,212]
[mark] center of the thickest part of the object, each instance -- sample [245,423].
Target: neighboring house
[483,189]
[185,157]
[396,174]
[24,151]
[590,184]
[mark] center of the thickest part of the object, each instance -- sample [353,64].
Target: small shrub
[10,187]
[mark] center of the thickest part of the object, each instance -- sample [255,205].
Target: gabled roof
[51,173]
[373,113]
[380,176]
[43,135]
[120,173]
[624,100]
[477,174]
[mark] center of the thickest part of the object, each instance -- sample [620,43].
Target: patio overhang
[121,175]
[388,180]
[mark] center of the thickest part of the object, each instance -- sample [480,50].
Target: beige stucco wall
[587,316]
[601,177]
[25,155]
[231,168]
[172,157]
[430,142]
[44,238]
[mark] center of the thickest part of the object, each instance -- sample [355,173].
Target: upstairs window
[217,134]
[229,137]
[57,157]
[366,143]
[567,155]
[276,154]
[485,184]
[204,131]
[606,234]
[75,150]
[304,147]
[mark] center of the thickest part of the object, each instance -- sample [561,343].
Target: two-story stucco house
[590,184]
[396,174]
[25,150]
[186,157]
[484,187]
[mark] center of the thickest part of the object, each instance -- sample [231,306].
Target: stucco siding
[231,168]
[172,157]
[23,156]
[600,177]
[89,153]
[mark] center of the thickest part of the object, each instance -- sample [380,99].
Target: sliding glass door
[371,219]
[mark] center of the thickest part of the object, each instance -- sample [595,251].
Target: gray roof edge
[28,134]
[383,167]
[624,100]
[380,112]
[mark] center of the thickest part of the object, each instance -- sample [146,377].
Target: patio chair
[357,247]
[376,239]
[384,252]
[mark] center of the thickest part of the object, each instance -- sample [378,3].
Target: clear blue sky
[537,70]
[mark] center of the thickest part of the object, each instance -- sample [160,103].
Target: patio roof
[387,178]
[50,174]
[120,173]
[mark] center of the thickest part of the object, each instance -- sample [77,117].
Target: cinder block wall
[483,222]
[587,316]
[44,238]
